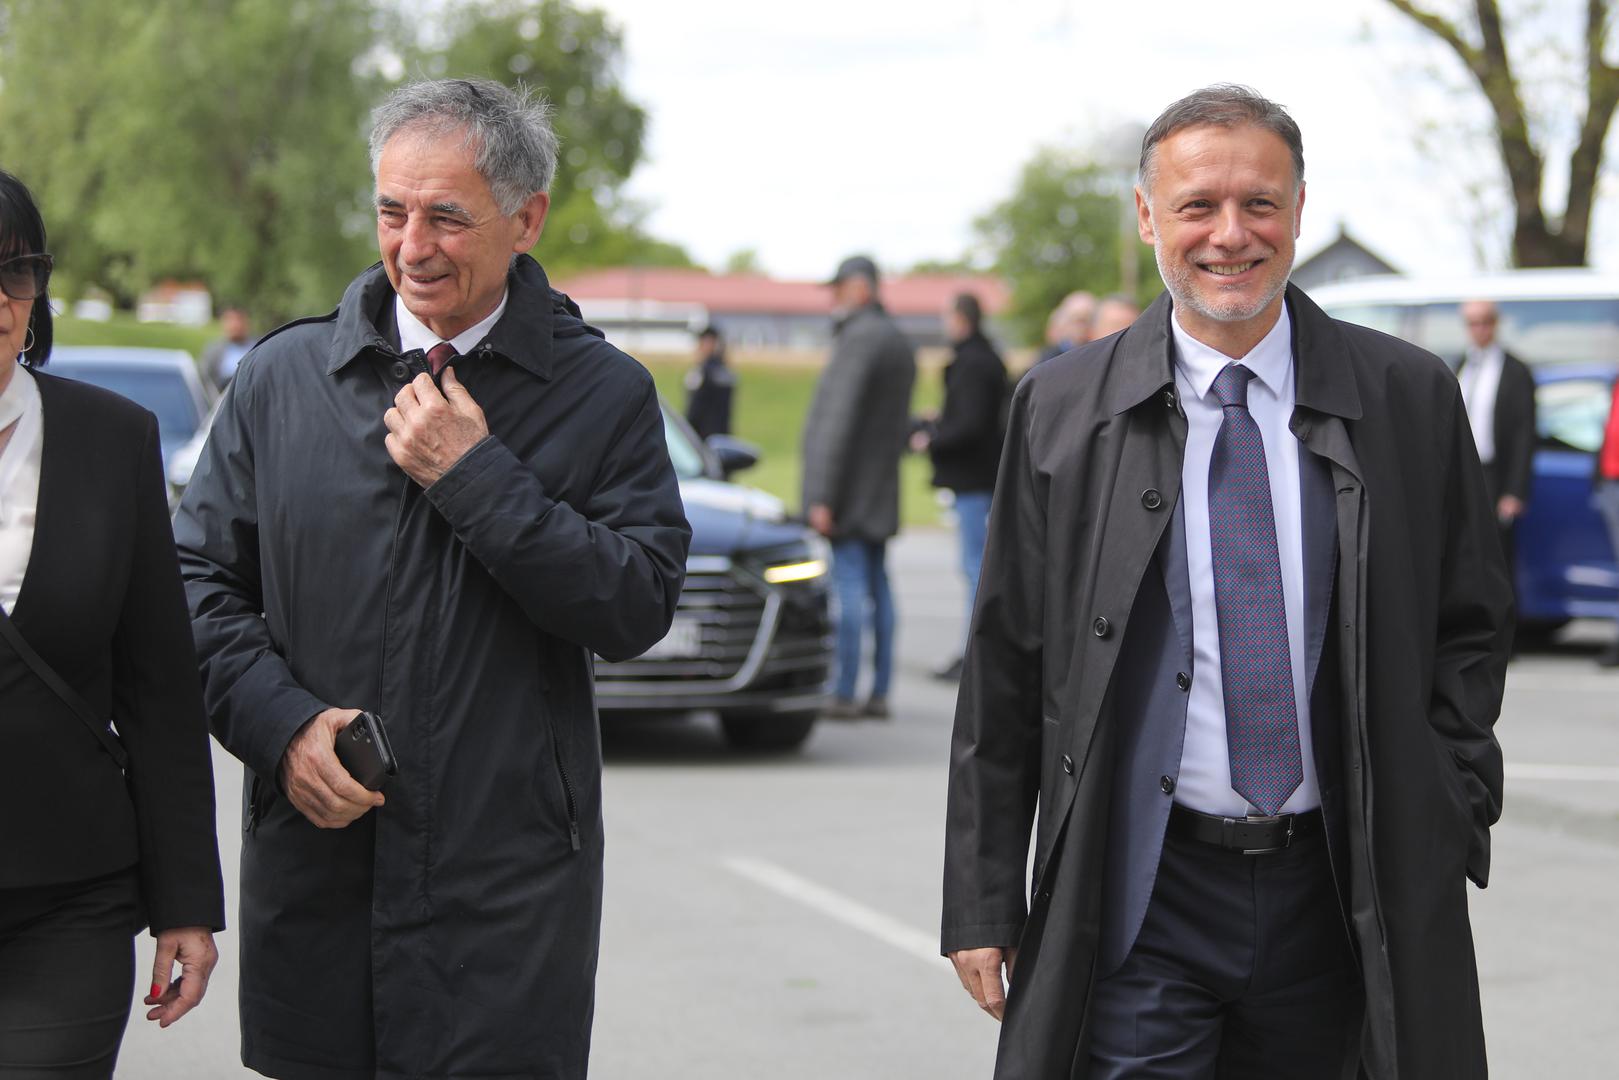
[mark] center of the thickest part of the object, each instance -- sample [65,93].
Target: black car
[751,638]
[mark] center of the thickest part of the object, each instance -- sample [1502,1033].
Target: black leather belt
[1250,835]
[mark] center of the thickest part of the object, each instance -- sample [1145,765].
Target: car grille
[736,616]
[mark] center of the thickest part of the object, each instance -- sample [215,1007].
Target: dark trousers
[1242,969]
[67,976]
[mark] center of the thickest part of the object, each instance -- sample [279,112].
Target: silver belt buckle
[1230,825]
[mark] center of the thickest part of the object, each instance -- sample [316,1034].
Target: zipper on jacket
[567,793]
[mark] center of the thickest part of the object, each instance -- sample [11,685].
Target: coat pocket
[570,800]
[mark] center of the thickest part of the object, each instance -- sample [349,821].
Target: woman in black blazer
[99,835]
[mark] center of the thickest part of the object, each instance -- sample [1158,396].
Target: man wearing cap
[854,437]
[1238,649]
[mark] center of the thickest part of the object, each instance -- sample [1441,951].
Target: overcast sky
[810,131]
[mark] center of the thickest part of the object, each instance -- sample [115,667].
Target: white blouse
[19,479]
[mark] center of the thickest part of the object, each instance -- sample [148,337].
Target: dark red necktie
[440,355]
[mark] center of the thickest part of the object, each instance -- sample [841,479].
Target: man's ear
[1144,219]
[1298,213]
[531,220]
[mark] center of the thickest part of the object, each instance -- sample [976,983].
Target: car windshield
[1538,331]
[687,459]
[1571,413]
[165,393]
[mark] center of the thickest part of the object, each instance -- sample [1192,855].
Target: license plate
[684,639]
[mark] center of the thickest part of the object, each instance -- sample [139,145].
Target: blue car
[1566,568]
[751,638]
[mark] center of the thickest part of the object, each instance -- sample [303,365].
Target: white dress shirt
[1205,776]
[414,335]
[19,479]
[1481,378]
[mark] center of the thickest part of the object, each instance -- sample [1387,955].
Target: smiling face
[444,242]
[1222,216]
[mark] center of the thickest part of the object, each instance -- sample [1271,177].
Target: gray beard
[1178,280]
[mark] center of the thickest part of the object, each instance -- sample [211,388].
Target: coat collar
[1324,380]
[523,335]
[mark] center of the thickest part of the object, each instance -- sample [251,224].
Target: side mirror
[734,454]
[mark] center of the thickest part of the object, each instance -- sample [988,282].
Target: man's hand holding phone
[316,782]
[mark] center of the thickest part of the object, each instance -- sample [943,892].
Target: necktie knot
[1231,386]
[440,355]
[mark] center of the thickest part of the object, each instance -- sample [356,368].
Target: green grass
[122,329]
[772,399]
[771,402]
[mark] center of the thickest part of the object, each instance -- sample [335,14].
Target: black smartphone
[363,748]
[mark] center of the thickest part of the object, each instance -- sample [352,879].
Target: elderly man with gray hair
[432,505]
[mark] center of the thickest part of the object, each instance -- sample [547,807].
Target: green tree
[1062,229]
[574,55]
[216,139]
[1479,40]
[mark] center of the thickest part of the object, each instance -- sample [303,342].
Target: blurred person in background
[1113,314]
[1069,325]
[854,436]
[710,387]
[220,357]
[434,504]
[1607,503]
[1499,393]
[102,833]
[964,441]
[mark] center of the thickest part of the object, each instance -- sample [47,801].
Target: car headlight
[802,570]
[804,562]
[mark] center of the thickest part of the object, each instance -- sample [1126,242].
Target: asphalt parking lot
[775,918]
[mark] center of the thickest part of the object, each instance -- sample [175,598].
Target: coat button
[1169,399]
[1068,765]
[1183,680]
[1167,784]
[1151,499]
[1101,627]
[401,372]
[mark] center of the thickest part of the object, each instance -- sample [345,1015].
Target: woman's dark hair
[968,307]
[22,232]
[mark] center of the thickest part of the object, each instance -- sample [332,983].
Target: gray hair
[509,131]
[1221,105]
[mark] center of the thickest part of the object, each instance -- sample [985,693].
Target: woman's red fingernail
[155,990]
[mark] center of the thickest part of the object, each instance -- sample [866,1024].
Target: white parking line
[852,913]
[1600,774]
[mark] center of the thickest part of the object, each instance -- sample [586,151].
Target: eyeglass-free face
[23,277]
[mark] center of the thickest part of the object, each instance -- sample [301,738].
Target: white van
[1547,316]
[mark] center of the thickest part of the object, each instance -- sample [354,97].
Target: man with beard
[1241,590]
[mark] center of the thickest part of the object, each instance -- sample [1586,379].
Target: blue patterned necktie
[1261,715]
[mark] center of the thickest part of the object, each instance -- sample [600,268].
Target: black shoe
[843,709]
[951,672]
[876,708]
[1609,657]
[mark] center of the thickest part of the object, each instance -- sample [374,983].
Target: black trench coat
[454,931]
[1422,609]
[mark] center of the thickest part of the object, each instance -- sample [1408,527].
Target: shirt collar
[1271,360]
[19,398]
[1490,354]
[413,334]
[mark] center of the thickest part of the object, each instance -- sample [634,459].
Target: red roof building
[658,309]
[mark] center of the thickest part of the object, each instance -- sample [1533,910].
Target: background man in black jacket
[710,386]
[965,440]
[1500,395]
